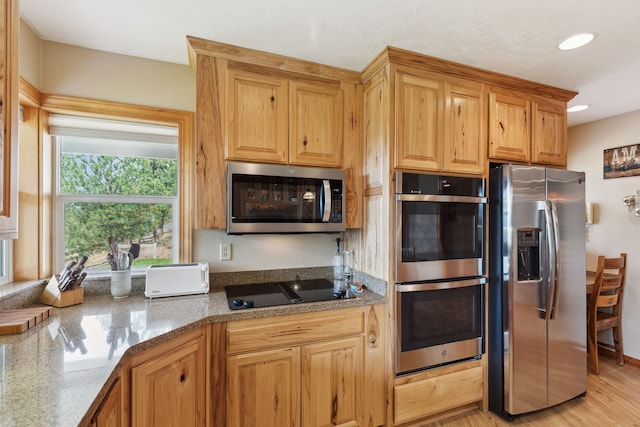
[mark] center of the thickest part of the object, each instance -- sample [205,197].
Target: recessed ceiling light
[576,108]
[576,41]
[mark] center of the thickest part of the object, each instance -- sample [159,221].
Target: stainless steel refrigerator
[537,302]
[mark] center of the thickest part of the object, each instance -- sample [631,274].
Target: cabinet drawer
[438,394]
[258,334]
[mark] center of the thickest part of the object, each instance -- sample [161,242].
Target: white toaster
[177,279]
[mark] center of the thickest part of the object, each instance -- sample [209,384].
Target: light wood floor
[613,399]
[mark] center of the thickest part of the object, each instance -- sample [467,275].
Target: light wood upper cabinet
[315,124]
[419,118]
[509,127]
[278,120]
[549,132]
[440,124]
[169,384]
[465,127]
[527,128]
[9,82]
[257,117]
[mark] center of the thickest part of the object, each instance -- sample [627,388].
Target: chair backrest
[609,283]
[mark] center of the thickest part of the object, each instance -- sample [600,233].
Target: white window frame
[60,199]
[7,260]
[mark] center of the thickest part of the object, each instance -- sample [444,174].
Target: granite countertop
[56,373]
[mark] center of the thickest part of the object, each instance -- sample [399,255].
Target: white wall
[615,230]
[62,69]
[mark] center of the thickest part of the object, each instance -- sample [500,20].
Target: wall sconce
[631,201]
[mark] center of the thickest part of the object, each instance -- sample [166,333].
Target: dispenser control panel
[528,254]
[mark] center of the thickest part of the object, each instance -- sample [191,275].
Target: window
[115,179]
[5,261]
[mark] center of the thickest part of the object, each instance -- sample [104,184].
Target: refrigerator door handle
[551,225]
[550,285]
[555,296]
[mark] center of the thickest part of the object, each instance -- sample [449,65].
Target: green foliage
[89,224]
[91,174]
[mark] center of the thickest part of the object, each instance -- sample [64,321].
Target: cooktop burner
[281,293]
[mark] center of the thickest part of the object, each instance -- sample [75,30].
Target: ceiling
[514,37]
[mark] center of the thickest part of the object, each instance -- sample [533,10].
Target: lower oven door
[438,323]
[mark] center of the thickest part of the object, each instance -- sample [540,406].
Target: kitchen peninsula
[60,372]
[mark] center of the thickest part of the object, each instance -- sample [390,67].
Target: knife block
[52,295]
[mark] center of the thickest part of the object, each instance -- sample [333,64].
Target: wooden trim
[9,95]
[28,247]
[210,124]
[198,46]
[603,351]
[373,191]
[452,69]
[29,95]
[186,161]
[218,384]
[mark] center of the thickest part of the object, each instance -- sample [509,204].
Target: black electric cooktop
[281,293]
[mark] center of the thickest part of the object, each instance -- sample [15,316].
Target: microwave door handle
[326,198]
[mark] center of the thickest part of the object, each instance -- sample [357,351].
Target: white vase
[121,283]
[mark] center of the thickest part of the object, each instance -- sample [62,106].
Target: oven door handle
[440,199]
[414,287]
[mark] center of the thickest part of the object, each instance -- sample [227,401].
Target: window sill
[20,294]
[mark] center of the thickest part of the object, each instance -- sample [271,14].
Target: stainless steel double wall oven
[440,269]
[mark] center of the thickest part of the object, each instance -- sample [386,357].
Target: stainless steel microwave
[267,198]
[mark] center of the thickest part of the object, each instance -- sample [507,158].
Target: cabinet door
[332,374]
[419,122]
[465,129]
[549,133]
[257,117]
[509,127]
[263,388]
[9,77]
[170,388]
[315,122]
[110,412]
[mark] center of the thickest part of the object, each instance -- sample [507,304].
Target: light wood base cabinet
[307,370]
[332,378]
[438,393]
[169,382]
[110,412]
[262,388]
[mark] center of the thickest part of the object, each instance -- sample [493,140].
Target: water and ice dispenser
[528,254]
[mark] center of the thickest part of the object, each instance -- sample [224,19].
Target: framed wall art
[621,161]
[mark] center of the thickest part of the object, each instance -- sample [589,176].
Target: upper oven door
[439,237]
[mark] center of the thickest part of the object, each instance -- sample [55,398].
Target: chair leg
[592,343]
[617,343]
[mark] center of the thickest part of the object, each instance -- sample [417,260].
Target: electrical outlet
[225,251]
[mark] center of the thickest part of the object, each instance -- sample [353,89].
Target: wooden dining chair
[605,307]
